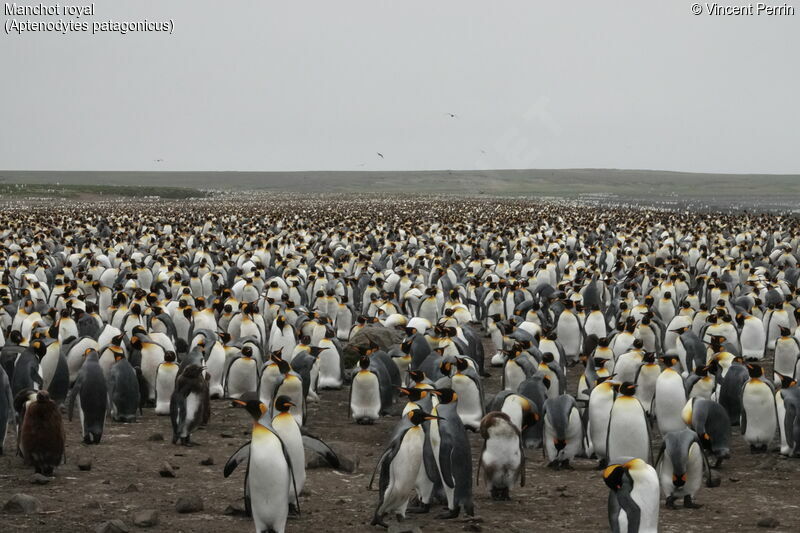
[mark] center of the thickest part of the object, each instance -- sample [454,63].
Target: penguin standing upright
[563,431]
[634,498]
[123,390]
[6,406]
[467,384]
[670,397]
[452,454]
[681,466]
[242,375]
[189,404]
[287,429]
[269,472]
[628,428]
[365,394]
[759,415]
[42,436]
[601,400]
[91,392]
[166,375]
[399,466]
[502,457]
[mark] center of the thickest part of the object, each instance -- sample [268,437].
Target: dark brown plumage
[42,437]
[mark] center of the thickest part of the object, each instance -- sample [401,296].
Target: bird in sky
[380,154]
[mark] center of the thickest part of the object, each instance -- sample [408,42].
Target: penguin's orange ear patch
[87,351]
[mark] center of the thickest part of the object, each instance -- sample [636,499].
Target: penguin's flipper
[480,462]
[661,451]
[521,462]
[743,421]
[315,444]
[445,460]
[239,456]
[428,459]
[73,392]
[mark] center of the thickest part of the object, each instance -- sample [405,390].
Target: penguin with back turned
[502,457]
[123,390]
[91,392]
[713,427]
[452,454]
[189,405]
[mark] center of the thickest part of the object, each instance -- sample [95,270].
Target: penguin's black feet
[671,502]
[553,465]
[421,508]
[758,449]
[485,374]
[689,504]
[399,517]
[718,463]
[602,464]
[565,465]
[365,421]
[378,521]
[451,513]
[293,511]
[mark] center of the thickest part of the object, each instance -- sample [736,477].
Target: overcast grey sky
[326,85]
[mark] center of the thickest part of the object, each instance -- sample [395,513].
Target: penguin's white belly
[289,432]
[165,385]
[752,339]
[759,406]
[270,378]
[150,361]
[268,481]
[215,367]
[781,409]
[646,495]
[627,431]
[599,415]
[785,359]
[569,333]
[573,436]
[330,375]
[703,388]
[292,386]
[514,375]
[365,401]
[242,378]
[192,413]
[670,399]
[403,472]
[469,408]
[513,409]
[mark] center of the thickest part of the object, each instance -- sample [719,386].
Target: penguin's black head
[614,475]
[446,395]
[42,396]
[192,372]
[283,403]
[669,360]
[414,394]
[461,364]
[547,358]
[786,381]
[363,362]
[254,407]
[169,356]
[316,350]
[418,416]
[755,370]
[627,388]
[785,332]
[417,376]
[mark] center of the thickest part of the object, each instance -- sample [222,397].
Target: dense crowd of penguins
[111,309]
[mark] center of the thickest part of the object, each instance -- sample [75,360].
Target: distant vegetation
[39,190]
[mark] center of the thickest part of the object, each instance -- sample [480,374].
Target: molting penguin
[42,436]
[92,394]
[502,457]
[634,498]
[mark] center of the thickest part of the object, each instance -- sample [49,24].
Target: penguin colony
[112,312]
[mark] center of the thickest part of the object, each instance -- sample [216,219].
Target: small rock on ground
[22,504]
[112,526]
[189,504]
[145,518]
[768,523]
[166,470]
[85,464]
[39,479]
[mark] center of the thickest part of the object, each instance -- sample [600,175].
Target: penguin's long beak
[433,417]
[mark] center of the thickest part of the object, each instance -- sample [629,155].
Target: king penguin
[713,426]
[563,431]
[91,393]
[634,498]
[759,415]
[681,467]
[269,472]
[399,466]
[123,390]
[287,429]
[628,428]
[670,396]
[166,375]
[189,405]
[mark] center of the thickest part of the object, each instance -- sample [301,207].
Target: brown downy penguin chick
[42,437]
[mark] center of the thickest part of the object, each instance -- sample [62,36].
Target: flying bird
[380,154]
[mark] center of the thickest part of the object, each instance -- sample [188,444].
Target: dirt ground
[124,478]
